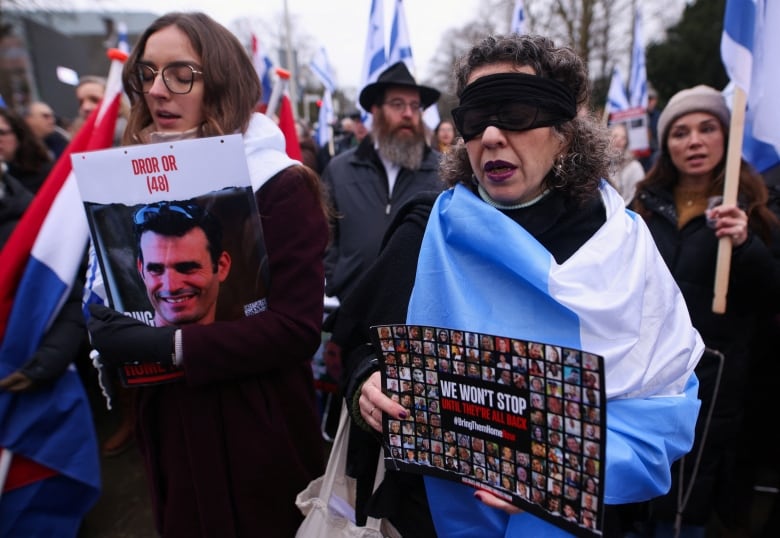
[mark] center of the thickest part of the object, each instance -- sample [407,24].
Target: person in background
[527,190]
[43,123]
[653,113]
[26,158]
[89,93]
[308,145]
[352,132]
[229,446]
[676,201]
[443,136]
[624,171]
[370,183]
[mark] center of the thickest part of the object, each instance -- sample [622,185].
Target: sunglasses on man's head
[152,211]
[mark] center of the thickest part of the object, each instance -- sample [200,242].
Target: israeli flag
[321,67]
[518,18]
[374,60]
[325,118]
[400,45]
[616,98]
[637,82]
[749,43]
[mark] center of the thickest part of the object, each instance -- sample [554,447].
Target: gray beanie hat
[697,99]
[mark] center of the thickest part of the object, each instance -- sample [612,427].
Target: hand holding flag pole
[730,188]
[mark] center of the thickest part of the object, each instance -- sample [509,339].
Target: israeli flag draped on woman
[480,271]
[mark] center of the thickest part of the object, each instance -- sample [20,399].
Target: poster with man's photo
[177,234]
[521,419]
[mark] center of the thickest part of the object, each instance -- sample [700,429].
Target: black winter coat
[754,290]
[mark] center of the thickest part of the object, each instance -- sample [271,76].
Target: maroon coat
[228,449]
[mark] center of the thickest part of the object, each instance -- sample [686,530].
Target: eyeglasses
[6,132]
[152,211]
[399,105]
[178,77]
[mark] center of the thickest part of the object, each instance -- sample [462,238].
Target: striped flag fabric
[400,49]
[374,59]
[749,43]
[616,97]
[47,435]
[517,26]
[643,331]
[325,118]
[637,81]
[321,67]
[264,67]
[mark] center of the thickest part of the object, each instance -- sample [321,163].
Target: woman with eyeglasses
[24,156]
[543,250]
[228,448]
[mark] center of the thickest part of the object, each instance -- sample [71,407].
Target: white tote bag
[328,502]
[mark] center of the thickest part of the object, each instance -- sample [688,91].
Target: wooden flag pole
[730,189]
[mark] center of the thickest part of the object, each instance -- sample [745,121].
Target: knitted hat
[697,99]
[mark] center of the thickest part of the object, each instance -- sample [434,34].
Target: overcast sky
[338,25]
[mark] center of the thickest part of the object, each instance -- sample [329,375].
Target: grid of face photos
[560,472]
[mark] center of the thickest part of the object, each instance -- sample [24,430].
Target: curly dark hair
[587,156]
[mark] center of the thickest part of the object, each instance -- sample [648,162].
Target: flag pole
[5,465]
[276,94]
[290,60]
[730,189]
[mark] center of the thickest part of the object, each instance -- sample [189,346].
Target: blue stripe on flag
[739,22]
[50,507]
[30,317]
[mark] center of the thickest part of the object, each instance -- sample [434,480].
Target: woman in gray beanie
[673,199]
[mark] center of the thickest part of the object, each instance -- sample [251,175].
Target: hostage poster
[177,234]
[524,420]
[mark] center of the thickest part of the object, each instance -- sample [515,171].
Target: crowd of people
[518,215]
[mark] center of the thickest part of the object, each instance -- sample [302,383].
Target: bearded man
[370,183]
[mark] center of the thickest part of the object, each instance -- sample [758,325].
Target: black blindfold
[513,102]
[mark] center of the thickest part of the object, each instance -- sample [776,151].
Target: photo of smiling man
[181,261]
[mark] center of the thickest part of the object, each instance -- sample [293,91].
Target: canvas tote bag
[328,502]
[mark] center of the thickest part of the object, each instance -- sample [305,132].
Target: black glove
[120,339]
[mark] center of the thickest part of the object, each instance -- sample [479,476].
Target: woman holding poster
[534,234]
[228,446]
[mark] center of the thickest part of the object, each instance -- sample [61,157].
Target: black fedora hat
[396,75]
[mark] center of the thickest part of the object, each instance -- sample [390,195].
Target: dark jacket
[754,289]
[358,189]
[240,437]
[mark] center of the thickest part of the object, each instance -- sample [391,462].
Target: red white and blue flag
[264,67]
[49,463]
